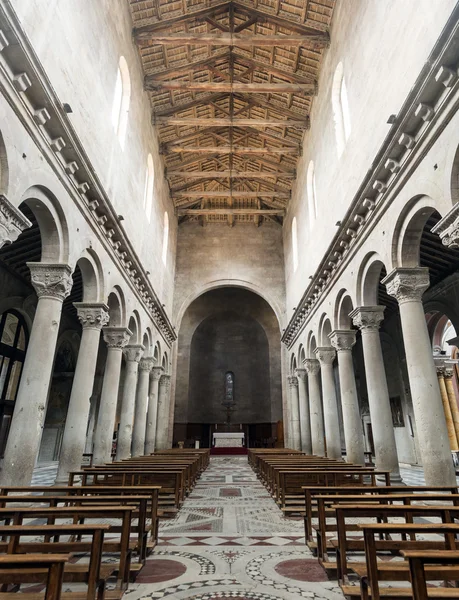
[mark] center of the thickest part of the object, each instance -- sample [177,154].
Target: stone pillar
[446,407]
[407,285]
[326,356]
[305,420]
[294,417]
[449,371]
[91,423]
[12,222]
[368,320]
[150,436]
[52,283]
[162,425]
[116,339]
[132,354]
[343,341]
[141,406]
[92,318]
[315,407]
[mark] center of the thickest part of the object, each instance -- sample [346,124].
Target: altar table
[228,440]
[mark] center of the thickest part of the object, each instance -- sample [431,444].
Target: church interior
[229,299]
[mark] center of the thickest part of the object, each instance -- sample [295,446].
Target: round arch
[325,328]
[293,364]
[343,307]
[368,279]
[117,307]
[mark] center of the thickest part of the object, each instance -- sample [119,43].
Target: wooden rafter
[308,89]
[228,174]
[313,40]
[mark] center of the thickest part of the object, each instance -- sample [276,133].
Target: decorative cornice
[117,337]
[133,352]
[29,92]
[312,365]
[92,315]
[12,222]
[325,355]
[407,284]
[448,228]
[342,340]
[368,318]
[51,280]
[418,125]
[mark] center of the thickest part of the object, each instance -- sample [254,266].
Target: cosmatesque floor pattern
[229,540]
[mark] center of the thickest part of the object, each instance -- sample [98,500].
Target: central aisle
[230,540]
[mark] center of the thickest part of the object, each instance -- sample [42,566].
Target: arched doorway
[228,331]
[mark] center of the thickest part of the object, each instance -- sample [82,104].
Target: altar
[228,440]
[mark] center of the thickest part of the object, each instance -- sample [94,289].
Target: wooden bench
[13,567]
[419,562]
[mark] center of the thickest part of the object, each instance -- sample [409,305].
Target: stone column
[52,283]
[343,341]
[116,339]
[326,356]
[449,370]
[92,318]
[305,420]
[12,222]
[407,285]
[368,320]
[150,436]
[91,423]
[294,417]
[162,425]
[440,368]
[132,354]
[141,406]
[315,407]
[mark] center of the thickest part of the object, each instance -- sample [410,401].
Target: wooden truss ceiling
[231,85]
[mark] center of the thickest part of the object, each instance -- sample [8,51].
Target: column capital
[292,381]
[12,222]
[117,337]
[92,315]
[301,374]
[165,381]
[146,364]
[133,352]
[342,339]
[368,318]
[51,280]
[325,355]
[448,228]
[312,365]
[155,373]
[407,284]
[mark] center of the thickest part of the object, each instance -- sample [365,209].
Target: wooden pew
[94,574]
[12,568]
[419,562]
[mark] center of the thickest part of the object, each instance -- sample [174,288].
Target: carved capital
[368,318]
[292,381]
[146,364]
[155,373]
[301,374]
[165,382]
[448,228]
[117,337]
[342,339]
[133,353]
[312,365]
[407,284]
[326,355]
[92,316]
[51,280]
[12,222]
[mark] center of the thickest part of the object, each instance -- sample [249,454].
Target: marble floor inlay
[230,540]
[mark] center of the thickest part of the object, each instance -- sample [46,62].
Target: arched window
[340,105]
[13,346]
[312,196]
[121,100]
[165,237]
[294,244]
[148,192]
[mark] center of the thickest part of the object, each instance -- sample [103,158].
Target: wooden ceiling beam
[193,159]
[184,70]
[229,194]
[307,89]
[271,69]
[253,123]
[171,110]
[182,212]
[190,16]
[234,150]
[312,40]
[263,103]
[229,174]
